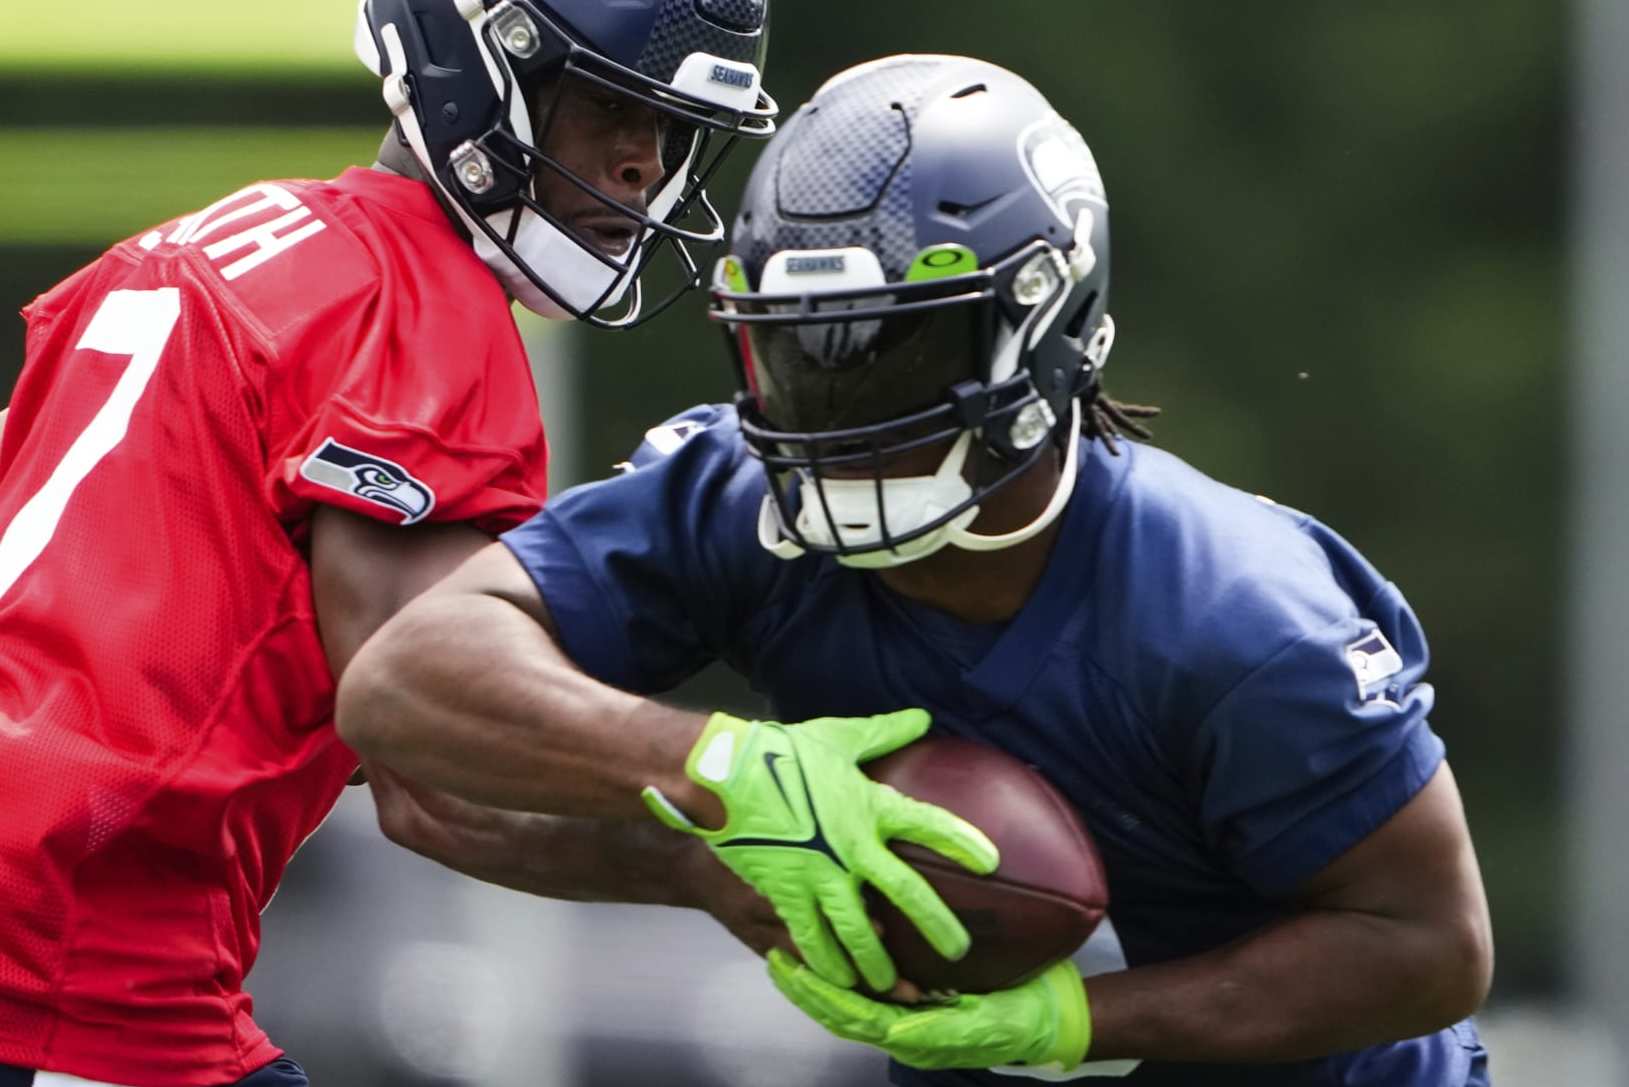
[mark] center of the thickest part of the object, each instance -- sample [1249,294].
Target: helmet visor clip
[971,402]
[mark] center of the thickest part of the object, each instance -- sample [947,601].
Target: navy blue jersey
[1226,690]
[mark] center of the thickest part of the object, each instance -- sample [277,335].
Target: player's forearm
[566,857]
[1322,982]
[590,860]
[554,856]
[467,693]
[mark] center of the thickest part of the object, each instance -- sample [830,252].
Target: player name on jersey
[268,219]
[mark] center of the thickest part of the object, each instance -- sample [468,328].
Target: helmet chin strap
[909,502]
[973,541]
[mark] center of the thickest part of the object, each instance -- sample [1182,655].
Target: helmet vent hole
[1077,323]
[738,16]
[962,211]
[968,92]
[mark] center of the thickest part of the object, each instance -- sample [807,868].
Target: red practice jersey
[166,710]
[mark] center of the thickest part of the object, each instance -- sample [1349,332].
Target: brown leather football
[1039,906]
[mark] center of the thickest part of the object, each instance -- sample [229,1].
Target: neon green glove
[1043,1021]
[807,829]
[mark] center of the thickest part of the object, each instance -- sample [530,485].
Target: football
[1039,906]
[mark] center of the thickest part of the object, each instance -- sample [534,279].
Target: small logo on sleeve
[660,441]
[1373,661]
[667,438]
[370,478]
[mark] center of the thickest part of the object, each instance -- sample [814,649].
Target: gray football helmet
[921,258]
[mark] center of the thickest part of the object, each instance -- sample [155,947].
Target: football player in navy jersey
[924,498]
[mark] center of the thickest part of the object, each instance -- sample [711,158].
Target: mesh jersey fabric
[166,735]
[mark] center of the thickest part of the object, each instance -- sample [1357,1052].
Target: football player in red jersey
[221,431]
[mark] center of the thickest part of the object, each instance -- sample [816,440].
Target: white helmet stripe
[366,49]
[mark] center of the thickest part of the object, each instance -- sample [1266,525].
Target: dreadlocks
[1110,421]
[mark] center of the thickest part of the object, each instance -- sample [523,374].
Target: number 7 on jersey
[136,324]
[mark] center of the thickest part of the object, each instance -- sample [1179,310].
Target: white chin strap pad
[910,502]
[575,275]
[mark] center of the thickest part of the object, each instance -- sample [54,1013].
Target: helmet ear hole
[1076,327]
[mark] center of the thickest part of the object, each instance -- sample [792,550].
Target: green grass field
[90,186]
[178,35]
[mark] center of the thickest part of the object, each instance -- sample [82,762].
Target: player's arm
[563,857]
[467,691]
[364,571]
[1390,941]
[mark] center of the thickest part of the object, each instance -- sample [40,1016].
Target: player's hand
[748,915]
[734,903]
[807,828]
[1044,1021]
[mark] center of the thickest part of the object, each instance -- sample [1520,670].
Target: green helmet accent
[732,275]
[942,262]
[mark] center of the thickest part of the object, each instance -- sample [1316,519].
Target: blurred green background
[1337,265]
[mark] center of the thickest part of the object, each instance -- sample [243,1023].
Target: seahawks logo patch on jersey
[370,478]
[1373,661]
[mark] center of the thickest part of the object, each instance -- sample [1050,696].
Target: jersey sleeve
[1323,741]
[648,575]
[406,416]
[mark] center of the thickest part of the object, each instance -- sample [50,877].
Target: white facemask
[909,502]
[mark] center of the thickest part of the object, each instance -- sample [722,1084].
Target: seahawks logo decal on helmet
[370,478]
[1062,166]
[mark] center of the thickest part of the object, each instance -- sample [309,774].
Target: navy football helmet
[921,260]
[460,77]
